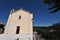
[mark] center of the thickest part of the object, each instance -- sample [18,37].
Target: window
[19,17]
[18,29]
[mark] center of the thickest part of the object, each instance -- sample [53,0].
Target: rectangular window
[18,29]
[19,17]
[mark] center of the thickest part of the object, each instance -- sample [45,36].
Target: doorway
[18,30]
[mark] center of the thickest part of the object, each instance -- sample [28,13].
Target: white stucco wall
[16,36]
[25,23]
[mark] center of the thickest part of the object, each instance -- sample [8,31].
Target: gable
[21,12]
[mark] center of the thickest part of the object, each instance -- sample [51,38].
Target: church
[19,26]
[19,22]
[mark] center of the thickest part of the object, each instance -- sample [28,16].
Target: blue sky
[37,7]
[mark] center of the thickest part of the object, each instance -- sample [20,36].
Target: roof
[13,10]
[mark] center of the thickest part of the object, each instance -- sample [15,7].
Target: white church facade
[19,22]
[19,26]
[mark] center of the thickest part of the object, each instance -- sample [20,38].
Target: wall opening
[18,30]
[19,17]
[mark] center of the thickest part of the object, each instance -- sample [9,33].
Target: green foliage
[56,26]
[53,35]
[54,5]
[1,25]
[1,28]
[49,33]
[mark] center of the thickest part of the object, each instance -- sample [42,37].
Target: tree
[56,26]
[52,35]
[1,28]
[54,5]
[1,25]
